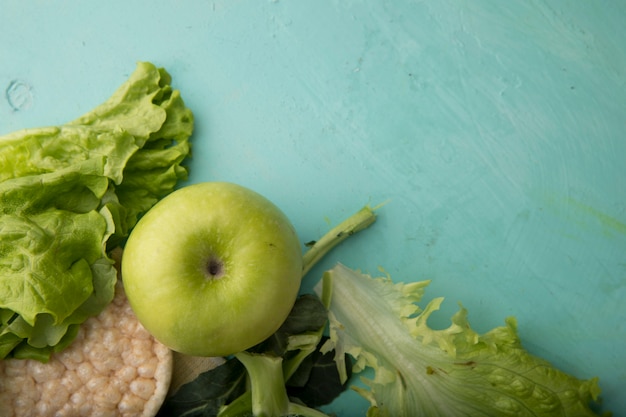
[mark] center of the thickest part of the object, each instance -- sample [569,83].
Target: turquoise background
[494,130]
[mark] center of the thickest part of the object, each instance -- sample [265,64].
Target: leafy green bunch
[70,193]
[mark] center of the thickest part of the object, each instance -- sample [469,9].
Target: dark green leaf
[316,382]
[205,395]
[307,315]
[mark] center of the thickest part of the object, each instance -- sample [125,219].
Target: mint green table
[496,132]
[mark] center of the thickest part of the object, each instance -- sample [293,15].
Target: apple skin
[212,269]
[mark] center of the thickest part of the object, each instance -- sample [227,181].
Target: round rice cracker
[114,367]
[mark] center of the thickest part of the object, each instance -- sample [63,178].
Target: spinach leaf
[307,315]
[316,382]
[205,395]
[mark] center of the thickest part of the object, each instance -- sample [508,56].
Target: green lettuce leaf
[70,193]
[420,371]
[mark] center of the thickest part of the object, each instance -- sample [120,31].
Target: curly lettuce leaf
[154,114]
[70,193]
[420,371]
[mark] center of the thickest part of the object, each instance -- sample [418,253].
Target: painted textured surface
[496,131]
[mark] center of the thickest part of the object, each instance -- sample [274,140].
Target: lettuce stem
[267,386]
[267,395]
[353,224]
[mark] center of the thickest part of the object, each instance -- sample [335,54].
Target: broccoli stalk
[353,224]
[267,396]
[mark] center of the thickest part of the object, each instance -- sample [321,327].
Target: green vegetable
[420,371]
[70,193]
[268,396]
[208,393]
[316,382]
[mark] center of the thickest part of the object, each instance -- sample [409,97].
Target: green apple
[212,269]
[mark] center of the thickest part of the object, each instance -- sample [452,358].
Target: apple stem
[355,223]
